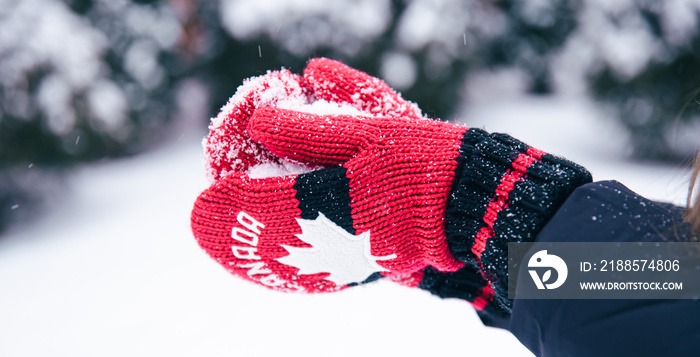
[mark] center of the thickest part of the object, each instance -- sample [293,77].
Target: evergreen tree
[80,80]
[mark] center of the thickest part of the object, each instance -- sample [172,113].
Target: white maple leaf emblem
[334,250]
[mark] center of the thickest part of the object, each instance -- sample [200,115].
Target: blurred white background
[103,105]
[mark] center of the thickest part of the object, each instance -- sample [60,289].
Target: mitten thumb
[325,140]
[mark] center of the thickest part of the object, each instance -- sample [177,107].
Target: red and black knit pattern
[505,191]
[429,194]
[466,284]
[434,204]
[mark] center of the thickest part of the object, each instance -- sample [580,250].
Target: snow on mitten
[326,86]
[228,148]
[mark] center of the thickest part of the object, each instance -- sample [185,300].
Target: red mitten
[269,216]
[300,232]
[228,147]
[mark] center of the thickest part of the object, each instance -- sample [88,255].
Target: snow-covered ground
[114,271]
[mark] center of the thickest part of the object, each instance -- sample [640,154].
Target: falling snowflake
[346,257]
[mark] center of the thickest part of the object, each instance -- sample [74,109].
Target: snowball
[285,168]
[322,107]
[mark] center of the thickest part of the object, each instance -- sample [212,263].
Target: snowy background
[104,103]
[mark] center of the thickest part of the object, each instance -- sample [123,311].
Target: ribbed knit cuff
[504,191]
[466,284]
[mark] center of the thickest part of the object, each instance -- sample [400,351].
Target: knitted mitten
[228,147]
[402,196]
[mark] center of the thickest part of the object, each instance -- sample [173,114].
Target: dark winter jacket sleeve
[609,212]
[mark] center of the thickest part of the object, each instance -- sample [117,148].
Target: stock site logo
[543,260]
